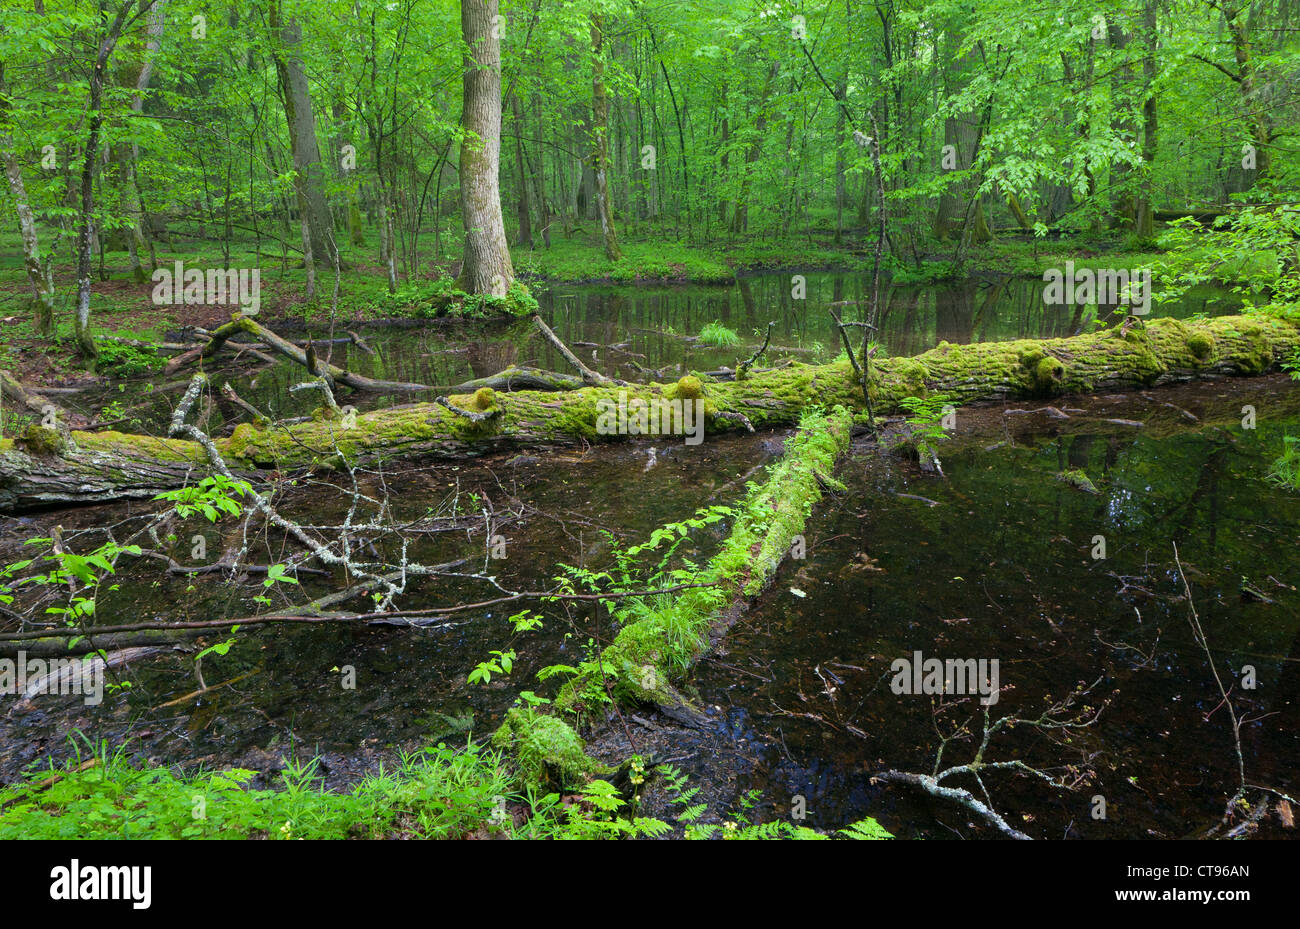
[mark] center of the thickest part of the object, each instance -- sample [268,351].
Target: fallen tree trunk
[33,403]
[646,655]
[314,366]
[514,378]
[39,470]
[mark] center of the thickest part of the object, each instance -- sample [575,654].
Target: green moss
[1254,355]
[484,397]
[1200,345]
[547,751]
[1031,356]
[1049,373]
[688,387]
[239,439]
[1079,480]
[38,440]
[1251,344]
[912,373]
[669,636]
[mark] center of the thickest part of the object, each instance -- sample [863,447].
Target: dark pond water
[1002,567]
[410,683]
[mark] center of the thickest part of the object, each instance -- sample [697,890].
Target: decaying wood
[286,348]
[515,378]
[109,465]
[588,376]
[31,401]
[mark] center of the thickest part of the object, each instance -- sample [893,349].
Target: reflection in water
[640,333]
[1005,567]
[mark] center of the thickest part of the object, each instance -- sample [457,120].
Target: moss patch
[547,751]
[1079,480]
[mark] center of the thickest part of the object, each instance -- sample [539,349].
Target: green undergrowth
[718,335]
[661,635]
[1285,470]
[441,298]
[573,260]
[437,793]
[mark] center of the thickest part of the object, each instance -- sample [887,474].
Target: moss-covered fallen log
[40,469]
[645,657]
[671,634]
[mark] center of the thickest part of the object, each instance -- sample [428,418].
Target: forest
[639,419]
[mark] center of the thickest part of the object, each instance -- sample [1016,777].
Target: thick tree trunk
[39,469]
[486,268]
[309,172]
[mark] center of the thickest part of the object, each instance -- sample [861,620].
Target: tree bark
[309,172]
[41,284]
[109,465]
[486,268]
[600,140]
[525,239]
[81,322]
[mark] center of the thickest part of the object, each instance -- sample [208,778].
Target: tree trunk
[309,172]
[41,469]
[1124,199]
[1235,16]
[81,322]
[1145,227]
[42,286]
[600,140]
[486,268]
[525,239]
[137,78]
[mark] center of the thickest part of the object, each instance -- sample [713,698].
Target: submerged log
[94,467]
[516,378]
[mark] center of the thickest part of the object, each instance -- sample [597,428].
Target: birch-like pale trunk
[487,268]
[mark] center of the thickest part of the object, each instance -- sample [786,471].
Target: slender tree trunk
[81,321]
[525,239]
[1258,119]
[309,173]
[1124,200]
[128,155]
[1145,219]
[600,140]
[486,268]
[42,286]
